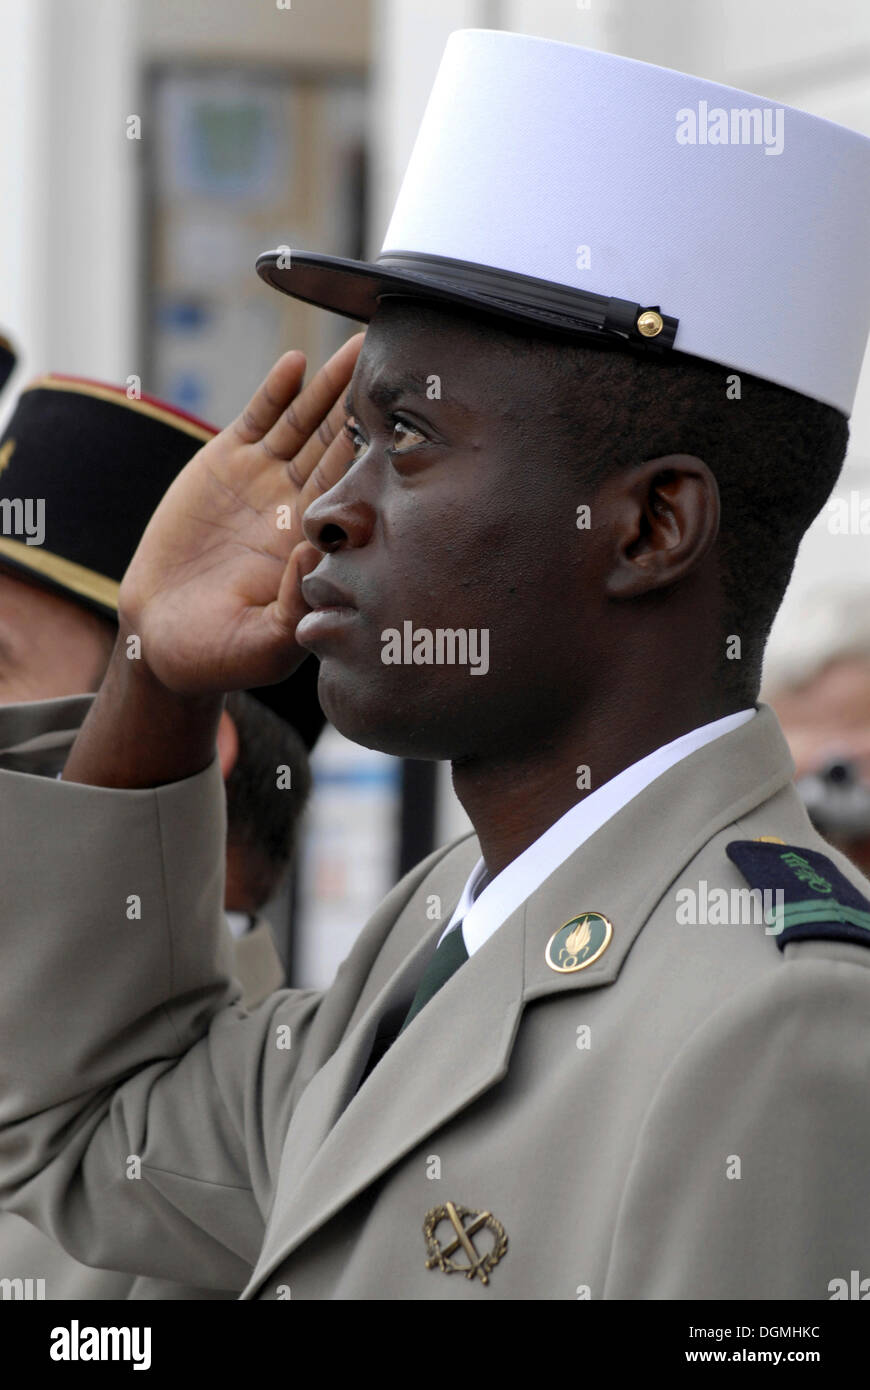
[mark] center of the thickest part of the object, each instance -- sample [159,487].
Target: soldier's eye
[405,435]
[359,444]
[405,438]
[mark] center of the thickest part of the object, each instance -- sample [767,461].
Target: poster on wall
[243,159]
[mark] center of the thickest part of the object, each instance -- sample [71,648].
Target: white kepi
[619,201]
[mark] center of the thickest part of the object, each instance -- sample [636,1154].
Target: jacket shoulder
[748,1177]
[811,898]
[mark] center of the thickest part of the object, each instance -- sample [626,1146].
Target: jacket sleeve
[749,1179]
[136,1092]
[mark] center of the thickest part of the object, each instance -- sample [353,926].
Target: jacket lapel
[333,1087]
[391,979]
[459,1045]
[451,1066]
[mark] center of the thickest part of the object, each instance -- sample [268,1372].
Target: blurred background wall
[151,148]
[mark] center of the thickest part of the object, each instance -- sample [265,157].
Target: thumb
[290,605]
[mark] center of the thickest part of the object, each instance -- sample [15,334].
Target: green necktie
[447,959]
[445,962]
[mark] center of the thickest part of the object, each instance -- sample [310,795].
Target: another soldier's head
[49,645]
[817,678]
[84,466]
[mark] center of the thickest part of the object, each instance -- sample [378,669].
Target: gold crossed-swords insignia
[481,1265]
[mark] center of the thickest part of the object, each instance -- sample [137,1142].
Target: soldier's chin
[385,711]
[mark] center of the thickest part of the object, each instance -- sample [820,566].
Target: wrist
[139,733]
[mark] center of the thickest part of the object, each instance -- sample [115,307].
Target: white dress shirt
[482,912]
[239,923]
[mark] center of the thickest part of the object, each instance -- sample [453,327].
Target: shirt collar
[239,923]
[482,912]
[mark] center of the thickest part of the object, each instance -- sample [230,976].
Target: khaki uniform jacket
[712,1140]
[26,1253]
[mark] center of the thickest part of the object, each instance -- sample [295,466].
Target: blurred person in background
[96,463]
[818,681]
[7,365]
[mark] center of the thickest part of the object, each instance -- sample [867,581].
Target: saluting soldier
[97,461]
[613,1043]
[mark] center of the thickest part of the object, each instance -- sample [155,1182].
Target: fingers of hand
[320,464]
[271,398]
[313,419]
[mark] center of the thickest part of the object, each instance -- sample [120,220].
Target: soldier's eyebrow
[383,393]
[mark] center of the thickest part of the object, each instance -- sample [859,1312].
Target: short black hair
[776,454]
[263,815]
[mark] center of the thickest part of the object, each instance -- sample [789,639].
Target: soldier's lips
[319,591]
[323,622]
[333,607]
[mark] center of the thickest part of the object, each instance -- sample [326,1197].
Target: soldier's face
[453,535]
[49,646]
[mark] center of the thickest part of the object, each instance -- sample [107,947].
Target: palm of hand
[213,589]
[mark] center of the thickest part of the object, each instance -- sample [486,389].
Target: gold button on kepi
[649,323]
[579,942]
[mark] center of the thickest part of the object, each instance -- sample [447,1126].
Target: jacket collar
[41,724]
[340,1141]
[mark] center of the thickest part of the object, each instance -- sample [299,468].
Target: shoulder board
[813,900]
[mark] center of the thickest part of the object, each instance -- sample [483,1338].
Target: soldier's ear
[227,744]
[664,518]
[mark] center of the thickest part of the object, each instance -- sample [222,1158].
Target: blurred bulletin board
[240,160]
